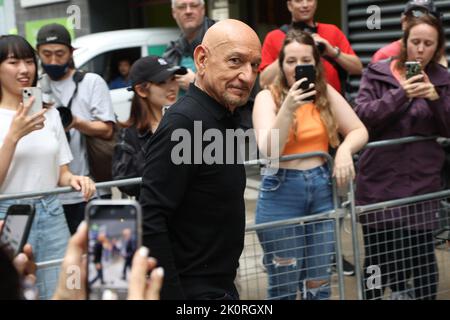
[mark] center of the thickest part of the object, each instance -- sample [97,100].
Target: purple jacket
[407,170]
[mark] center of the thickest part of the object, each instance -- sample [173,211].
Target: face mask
[56,71]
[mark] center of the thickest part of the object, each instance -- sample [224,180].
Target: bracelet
[338,52]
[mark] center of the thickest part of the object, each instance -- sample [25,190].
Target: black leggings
[400,254]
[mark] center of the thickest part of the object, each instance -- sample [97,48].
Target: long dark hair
[139,114]
[12,46]
[280,88]
[431,21]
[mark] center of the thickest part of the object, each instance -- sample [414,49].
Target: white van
[100,52]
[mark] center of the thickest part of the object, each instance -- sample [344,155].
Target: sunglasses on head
[417,13]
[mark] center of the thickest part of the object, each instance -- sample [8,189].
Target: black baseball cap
[54,33]
[152,69]
[415,7]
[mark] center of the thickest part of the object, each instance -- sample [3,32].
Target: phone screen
[16,228]
[114,236]
[413,68]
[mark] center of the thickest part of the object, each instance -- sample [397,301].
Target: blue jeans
[49,237]
[294,253]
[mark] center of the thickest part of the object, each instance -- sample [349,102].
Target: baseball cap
[418,7]
[54,33]
[152,69]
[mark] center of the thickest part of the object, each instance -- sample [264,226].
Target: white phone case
[35,92]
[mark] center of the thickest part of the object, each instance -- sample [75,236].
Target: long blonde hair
[280,88]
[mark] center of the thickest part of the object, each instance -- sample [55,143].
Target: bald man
[192,198]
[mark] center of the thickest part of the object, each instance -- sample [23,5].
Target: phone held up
[413,68]
[35,92]
[307,71]
[114,236]
[16,227]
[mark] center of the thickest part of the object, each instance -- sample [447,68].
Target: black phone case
[15,210]
[308,72]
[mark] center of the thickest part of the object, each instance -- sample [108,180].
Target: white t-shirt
[36,162]
[92,102]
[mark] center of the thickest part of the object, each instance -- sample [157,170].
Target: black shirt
[193,214]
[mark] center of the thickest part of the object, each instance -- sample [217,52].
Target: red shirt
[274,42]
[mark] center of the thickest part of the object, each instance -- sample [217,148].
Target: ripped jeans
[294,253]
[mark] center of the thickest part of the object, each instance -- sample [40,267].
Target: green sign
[32,28]
[1,3]
[157,50]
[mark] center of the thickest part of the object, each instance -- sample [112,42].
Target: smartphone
[35,92]
[307,71]
[114,236]
[16,227]
[413,68]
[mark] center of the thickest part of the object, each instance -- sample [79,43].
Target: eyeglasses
[184,6]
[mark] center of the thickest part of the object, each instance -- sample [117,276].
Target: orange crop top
[312,134]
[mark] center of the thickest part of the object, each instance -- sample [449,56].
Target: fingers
[155,284]
[27,105]
[39,115]
[344,175]
[31,266]
[87,187]
[138,277]
[20,263]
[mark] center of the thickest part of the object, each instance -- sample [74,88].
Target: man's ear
[201,58]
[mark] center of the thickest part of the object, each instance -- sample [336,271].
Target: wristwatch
[338,52]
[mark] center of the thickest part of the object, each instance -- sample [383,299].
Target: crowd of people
[194,213]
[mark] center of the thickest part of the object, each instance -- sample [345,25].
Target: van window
[107,64]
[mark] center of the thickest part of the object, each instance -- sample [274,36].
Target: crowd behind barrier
[252,275]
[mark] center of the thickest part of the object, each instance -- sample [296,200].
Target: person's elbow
[356,68]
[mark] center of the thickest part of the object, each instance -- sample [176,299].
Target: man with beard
[194,210]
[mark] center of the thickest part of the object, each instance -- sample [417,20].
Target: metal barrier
[401,254]
[252,277]
[294,250]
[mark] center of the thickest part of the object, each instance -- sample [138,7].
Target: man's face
[54,54]
[124,68]
[188,14]
[231,69]
[302,10]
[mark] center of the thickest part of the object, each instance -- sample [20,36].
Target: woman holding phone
[394,103]
[302,187]
[34,156]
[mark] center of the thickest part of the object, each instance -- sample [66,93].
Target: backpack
[99,151]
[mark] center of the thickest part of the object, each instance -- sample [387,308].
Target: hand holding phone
[114,234]
[413,68]
[36,93]
[307,71]
[16,228]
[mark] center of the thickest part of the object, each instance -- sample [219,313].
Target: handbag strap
[78,76]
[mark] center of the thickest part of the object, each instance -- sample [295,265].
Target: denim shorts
[291,194]
[49,237]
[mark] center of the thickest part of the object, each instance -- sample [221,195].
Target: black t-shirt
[194,214]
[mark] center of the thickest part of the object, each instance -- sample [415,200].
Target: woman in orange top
[302,187]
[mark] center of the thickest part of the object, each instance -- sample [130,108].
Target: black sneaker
[349,269]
